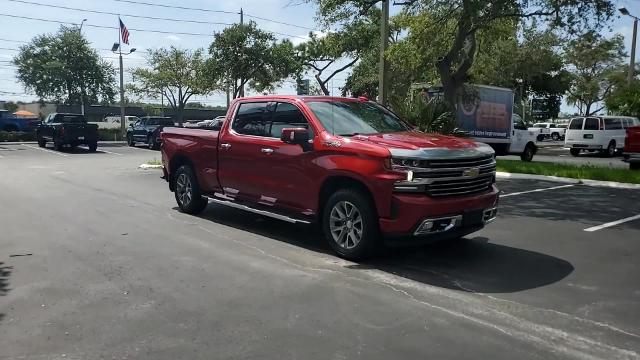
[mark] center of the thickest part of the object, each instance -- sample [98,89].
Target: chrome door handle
[225,145]
[266,150]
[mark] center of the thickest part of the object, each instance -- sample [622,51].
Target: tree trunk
[180,114]
[322,84]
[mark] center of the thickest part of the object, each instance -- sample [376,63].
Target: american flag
[124,33]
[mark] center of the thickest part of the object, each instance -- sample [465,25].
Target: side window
[612,124]
[252,119]
[287,116]
[576,124]
[592,124]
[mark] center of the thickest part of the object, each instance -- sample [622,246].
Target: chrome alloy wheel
[184,189]
[346,225]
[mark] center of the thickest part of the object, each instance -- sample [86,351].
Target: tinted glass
[166,122]
[612,124]
[151,121]
[252,119]
[592,124]
[540,126]
[69,118]
[561,126]
[286,116]
[349,118]
[576,124]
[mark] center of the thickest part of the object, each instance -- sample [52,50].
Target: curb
[609,184]
[147,166]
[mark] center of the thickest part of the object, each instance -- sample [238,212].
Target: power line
[103,26]
[120,14]
[213,11]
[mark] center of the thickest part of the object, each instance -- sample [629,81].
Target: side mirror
[296,136]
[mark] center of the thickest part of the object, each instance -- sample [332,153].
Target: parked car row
[548,130]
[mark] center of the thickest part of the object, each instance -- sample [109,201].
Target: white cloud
[173,38]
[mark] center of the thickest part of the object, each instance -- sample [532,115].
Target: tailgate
[80,131]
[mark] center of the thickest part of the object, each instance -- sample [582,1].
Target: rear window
[576,124]
[612,124]
[540,126]
[69,118]
[561,126]
[592,124]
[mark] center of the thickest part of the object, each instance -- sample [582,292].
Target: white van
[598,133]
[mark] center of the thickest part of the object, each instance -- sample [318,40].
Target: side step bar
[258,211]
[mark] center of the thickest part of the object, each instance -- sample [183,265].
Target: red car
[349,164]
[632,147]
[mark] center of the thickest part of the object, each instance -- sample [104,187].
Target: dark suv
[147,130]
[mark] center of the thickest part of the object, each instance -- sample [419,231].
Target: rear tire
[187,191]
[527,154]
[574,152]
[93,147]
[555,136]
[611,149]
[57,145]
[350,224]
[540,137]
[42,143]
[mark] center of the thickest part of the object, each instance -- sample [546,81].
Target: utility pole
[123,128]
[82,89]
[241,92]
[384,42]
[632,60]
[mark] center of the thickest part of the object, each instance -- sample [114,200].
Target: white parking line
[45,150]
[537,190]
[104,151]
[613,223]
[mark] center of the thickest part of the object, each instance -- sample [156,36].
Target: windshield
[160,121]
[350,117]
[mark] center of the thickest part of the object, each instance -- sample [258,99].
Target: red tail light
[61,131]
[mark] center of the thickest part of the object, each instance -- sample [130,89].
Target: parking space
[111,255]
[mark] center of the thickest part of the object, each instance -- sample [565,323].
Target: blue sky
[288,11]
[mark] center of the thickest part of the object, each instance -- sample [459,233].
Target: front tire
[130,141]
[151,142]
[187,191]
[527,154]
[350,224]
[42,142]
[574,152]
[93,147]
[555,136]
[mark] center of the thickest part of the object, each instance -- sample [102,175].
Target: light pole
[82,79]
[384,41]
[118,48]
[632,61]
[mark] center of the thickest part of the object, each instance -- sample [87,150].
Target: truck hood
[422,145]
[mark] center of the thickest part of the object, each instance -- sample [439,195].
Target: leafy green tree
[243,55]
[593,62]
[175,74]
[10,106]
[624,98]
[456,24]
[63,67]
[337,51]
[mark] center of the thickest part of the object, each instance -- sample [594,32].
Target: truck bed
[200,146]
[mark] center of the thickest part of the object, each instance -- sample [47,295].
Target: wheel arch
[176,161]
[336,182]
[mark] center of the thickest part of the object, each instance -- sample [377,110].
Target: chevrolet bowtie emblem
[471,172]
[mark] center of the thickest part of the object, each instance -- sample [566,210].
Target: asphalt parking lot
[96,262]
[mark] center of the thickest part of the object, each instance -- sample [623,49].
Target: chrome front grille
[451,177]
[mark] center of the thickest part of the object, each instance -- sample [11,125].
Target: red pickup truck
[348,164]
[632,147]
